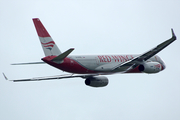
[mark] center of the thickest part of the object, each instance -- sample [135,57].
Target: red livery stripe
[48,43]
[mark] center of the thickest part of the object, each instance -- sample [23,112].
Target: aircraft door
[97,61]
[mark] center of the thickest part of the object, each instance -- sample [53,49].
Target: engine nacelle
[150,67]
[97,81]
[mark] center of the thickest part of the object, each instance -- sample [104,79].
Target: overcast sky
[91,27]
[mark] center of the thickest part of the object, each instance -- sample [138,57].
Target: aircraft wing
[55,77]
[143,57]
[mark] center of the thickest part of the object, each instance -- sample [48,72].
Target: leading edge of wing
[148,54]
[158,48]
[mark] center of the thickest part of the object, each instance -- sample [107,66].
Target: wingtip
[173,34]
[5,76]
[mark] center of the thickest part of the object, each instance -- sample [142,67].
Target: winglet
[173,35]
[5,76]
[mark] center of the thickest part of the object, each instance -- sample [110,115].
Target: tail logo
[48,45]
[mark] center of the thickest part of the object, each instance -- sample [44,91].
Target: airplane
[92,68]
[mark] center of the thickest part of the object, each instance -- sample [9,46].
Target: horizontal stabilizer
[62,56]
[28,63]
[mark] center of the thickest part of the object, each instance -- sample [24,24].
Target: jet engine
[97,81]
[150,67]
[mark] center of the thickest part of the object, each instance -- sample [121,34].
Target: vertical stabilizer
[48,45]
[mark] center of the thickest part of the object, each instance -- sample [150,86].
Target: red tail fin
[48,45]
[41,30]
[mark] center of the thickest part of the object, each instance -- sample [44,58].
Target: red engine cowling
[97,81]
[150,67]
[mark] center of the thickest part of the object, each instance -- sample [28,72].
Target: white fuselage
[105,63]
